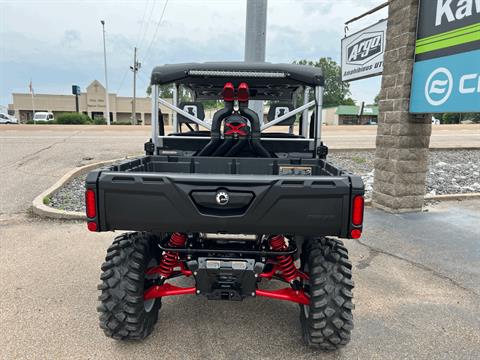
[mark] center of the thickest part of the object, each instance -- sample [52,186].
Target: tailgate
[253,204]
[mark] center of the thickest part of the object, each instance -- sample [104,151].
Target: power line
[143,22]
[139,38]
[147,26]
[123,79]
[155,33]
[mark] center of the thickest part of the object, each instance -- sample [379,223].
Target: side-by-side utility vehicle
[230,203]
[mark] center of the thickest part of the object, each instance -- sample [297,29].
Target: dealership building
[91,103]
[350,115]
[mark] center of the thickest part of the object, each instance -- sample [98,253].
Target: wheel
[124,315]
[327,321]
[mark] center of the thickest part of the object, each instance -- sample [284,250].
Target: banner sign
[446,73]
[362,52]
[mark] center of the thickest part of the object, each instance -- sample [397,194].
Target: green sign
[446,74]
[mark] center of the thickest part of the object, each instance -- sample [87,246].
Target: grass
[359,160]
[46,200]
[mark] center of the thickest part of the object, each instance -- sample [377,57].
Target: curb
[40,209]
[448,197]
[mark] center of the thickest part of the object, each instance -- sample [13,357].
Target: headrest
[280,109]
[193,108]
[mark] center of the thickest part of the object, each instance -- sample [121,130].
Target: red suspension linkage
[285,263]
[169,259]
[288,294]
[167,290]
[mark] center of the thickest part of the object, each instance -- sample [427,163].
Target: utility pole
[107,105]
[136,66]
[255,39]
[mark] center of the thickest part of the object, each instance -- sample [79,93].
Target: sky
[58,43]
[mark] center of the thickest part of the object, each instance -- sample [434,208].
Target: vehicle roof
[265,80]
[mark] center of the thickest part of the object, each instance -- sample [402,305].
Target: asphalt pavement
[416,276]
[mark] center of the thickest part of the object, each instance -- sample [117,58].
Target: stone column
[401,157]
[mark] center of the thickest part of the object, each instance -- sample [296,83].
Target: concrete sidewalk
[445,239]
[410,303]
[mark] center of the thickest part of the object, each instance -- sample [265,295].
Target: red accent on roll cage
[228,92]
[235,129]
[243,92]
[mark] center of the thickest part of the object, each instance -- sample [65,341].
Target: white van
[43,116]
[7,119]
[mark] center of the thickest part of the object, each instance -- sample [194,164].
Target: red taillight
[90,204]
[92,226]
[243,92]
[355,234]
[357,211]
[228,92]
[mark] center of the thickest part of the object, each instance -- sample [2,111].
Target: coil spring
[285,263]
[170,258]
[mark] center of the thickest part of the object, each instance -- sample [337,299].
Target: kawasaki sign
[362,52]
[446,75]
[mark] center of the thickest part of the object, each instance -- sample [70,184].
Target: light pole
[107,105]
[255,39]
[136,66]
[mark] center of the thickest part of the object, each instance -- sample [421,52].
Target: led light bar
[254,74]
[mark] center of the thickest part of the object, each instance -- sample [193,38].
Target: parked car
[7,119]
[43,116]
[231,206]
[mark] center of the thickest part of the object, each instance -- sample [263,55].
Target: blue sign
[447,84]
[446,73]
[75,90]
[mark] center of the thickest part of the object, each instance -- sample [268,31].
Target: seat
[194,108]
[280,109]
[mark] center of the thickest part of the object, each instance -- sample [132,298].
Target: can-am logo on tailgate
[365,48]
[222,198]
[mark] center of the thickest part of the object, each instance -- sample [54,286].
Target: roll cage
[266,81]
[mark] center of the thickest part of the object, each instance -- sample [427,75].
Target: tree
[377,99]
[165,91]
[450,118]
[336,91]
[456,118]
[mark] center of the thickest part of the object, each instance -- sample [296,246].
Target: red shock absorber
[284,262]
[170,258]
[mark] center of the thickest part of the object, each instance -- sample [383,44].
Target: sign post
[362,52]
[446,74]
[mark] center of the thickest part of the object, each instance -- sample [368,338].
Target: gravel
[450,172]
[70,196]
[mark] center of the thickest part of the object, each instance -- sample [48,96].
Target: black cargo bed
[164,194]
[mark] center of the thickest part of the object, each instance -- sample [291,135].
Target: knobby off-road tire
[327,321]
[124,315]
